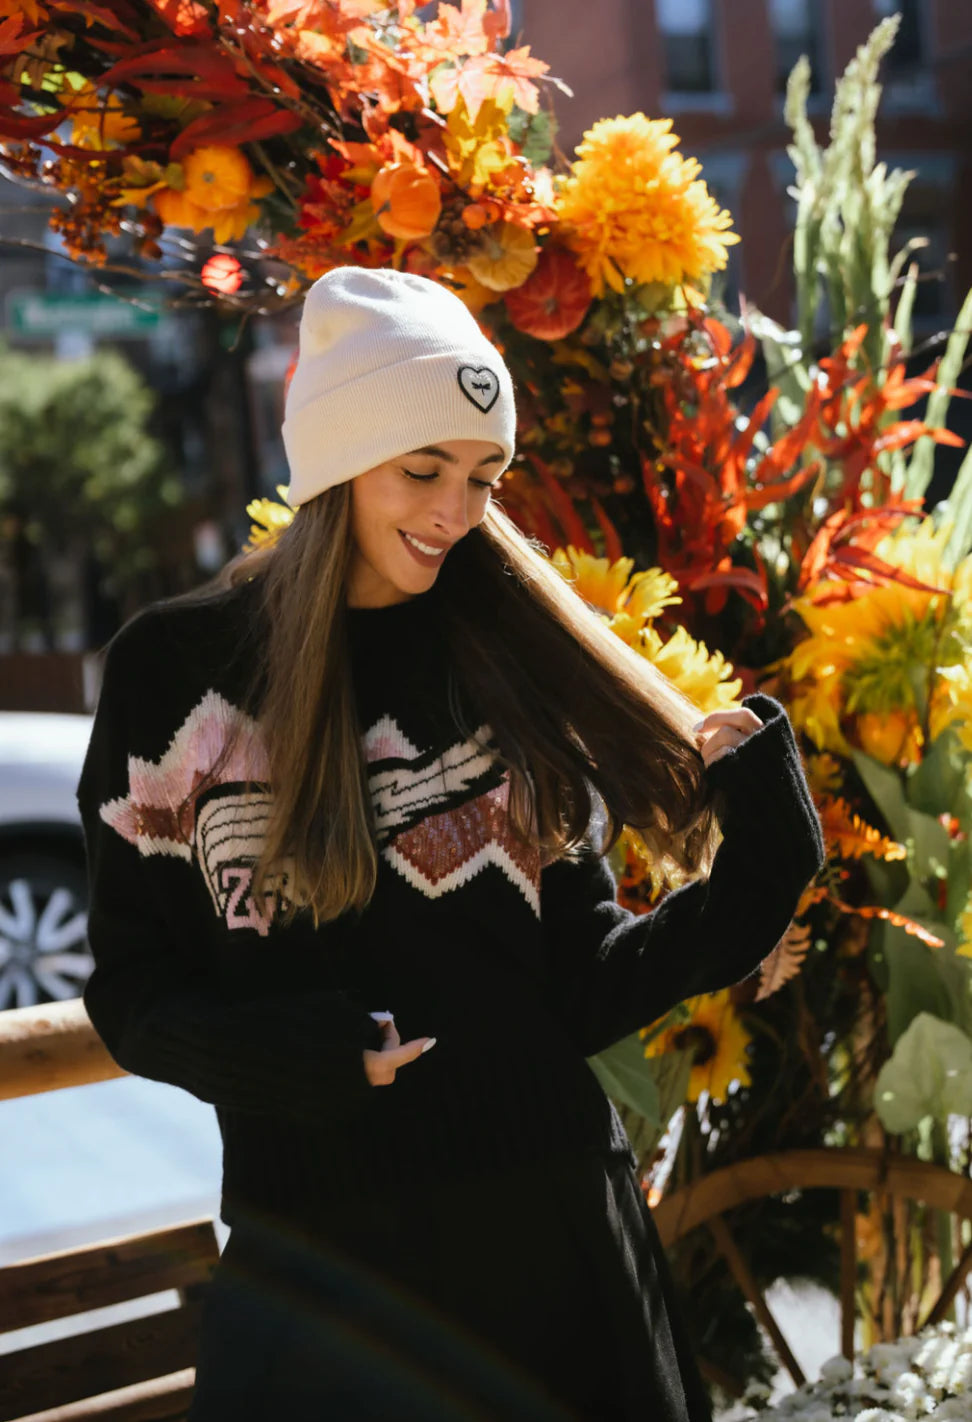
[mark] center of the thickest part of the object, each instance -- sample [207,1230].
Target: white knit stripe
[491,853]
[229,831]
[398,791]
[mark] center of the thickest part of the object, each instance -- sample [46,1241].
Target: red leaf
[12,126]
[613,548]
[782,488]
[111,19]
[248,121]
[563,508]
[11,40]
[210,74]
[906,431]
[863,558]
[744,580]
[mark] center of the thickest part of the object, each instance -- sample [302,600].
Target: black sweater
[519,970]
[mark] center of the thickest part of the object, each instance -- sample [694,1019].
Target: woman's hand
[722,731]
[380,1067]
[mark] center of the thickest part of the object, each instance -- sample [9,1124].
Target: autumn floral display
[745,506]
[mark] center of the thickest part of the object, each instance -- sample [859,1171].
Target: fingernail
[430,1043]
[698,725]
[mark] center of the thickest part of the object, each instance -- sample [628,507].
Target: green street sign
[46,314]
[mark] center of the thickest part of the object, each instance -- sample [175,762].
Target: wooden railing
[44,1048]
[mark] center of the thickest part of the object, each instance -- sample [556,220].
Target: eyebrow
[438,453]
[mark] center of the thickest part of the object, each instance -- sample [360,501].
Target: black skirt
[539,1294]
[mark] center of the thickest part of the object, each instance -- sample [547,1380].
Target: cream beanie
[388,362]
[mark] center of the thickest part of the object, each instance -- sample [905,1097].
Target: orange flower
[406,200]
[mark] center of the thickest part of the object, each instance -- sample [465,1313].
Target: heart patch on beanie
[480,385]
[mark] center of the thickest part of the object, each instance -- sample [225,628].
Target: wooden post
[848,1271]
[740,1272]
[50,1046]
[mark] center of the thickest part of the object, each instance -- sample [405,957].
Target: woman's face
[407,513]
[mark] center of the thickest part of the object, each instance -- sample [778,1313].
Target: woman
[346,813]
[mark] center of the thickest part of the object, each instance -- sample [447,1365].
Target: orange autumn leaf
[889,916]
[507,78]
[785,960]
[851,836]
[184,17]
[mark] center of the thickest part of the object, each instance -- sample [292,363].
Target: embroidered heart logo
[479,385]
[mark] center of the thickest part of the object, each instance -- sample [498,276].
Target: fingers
[721,731]
[390,1033]
[381,1066]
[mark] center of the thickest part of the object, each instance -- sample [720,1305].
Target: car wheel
[44,952]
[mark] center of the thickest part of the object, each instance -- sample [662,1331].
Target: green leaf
[626,1074]
[921,464]
[957,508]
[938,784]
[928,1074]
[916,978]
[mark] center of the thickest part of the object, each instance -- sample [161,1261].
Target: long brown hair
[585,726]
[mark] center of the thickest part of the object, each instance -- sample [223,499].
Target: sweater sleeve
[612,971]
[151,996]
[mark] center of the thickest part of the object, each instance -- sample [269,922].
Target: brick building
[719,67]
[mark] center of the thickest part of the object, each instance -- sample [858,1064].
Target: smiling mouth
[428,550]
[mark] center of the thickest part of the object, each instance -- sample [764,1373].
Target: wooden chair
[137,1371]
[854,1172]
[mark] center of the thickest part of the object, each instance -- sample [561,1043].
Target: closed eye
[425,478]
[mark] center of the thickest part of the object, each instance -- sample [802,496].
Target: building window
[796,30]
[934,301]
[685,27]
[909,47]
[909,82]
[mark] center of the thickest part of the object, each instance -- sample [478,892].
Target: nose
[450,508]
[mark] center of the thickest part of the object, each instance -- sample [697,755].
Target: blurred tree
[82,480]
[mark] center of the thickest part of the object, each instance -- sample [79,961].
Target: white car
[44,951]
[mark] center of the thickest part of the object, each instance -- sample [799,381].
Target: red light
[222,274]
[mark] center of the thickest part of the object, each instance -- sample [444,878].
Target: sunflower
[630,207]
[269,520]
[717,1041]
[614,587]
[705,677]
[859,672]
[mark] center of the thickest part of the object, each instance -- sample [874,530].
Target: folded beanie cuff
[380,414]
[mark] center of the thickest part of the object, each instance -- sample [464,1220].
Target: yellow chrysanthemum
[717,1040]
[614,587]
[630,207]
[269,520]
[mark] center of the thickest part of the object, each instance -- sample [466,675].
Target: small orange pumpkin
[406,200]
[554,300]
